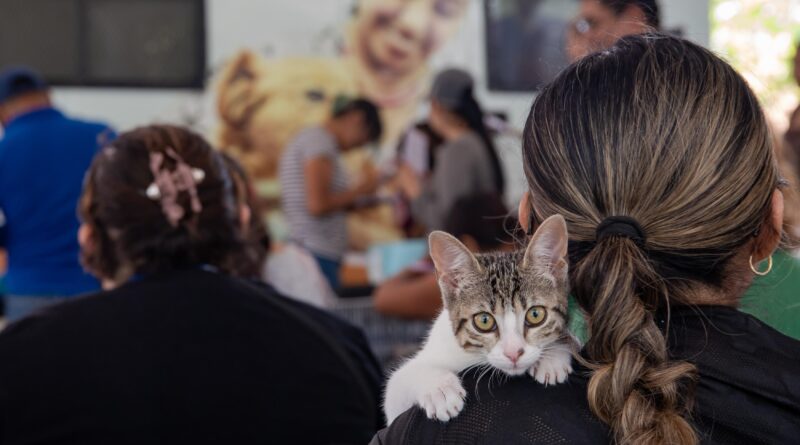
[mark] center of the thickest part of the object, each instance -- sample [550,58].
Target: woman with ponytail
[659,158]
[466,164]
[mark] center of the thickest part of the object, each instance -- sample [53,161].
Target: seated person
[482,223]
[177,349]
[658,156]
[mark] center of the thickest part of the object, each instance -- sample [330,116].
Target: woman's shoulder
[514,411]
[470,141]
[748,387]
[469,148]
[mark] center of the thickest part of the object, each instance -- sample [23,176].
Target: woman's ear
[524,212]
[245,214]
[769,237]
[85,235]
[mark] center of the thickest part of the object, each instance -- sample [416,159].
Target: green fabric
[775,298]
[577,321]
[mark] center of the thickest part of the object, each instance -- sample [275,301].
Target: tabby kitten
[507,310]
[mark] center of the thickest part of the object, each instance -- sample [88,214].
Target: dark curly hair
[257,237]
[131,233]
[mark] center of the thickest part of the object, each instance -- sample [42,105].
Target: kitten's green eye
[536,316]
[484,322]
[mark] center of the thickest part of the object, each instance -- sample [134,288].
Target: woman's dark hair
[434,139]
[131,231]
[470,111]
[648,7]
[485,218]
[659,131]
[372,116]
[257,237]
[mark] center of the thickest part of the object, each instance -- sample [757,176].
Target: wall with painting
[277,29]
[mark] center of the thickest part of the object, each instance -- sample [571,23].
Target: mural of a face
[398,36]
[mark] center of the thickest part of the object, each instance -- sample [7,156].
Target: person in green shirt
[775,297]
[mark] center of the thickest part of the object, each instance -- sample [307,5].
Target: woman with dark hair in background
[257,237]
[659,158]
[466,164]
[177,349]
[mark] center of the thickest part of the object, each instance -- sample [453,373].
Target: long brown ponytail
[663,132]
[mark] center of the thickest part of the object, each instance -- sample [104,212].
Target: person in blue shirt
[43,158]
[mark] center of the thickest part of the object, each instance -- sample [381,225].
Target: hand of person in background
[322,200]
[368,182]
[408,181]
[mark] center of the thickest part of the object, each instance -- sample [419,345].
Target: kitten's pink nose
[513,355]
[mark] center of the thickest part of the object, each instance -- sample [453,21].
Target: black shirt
[187,357]
[748,393]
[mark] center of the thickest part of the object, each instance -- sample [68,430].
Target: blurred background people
[417,152]
[600,23]
[482,223]
[315,190]
[43,158]
[467,162]
[177,349]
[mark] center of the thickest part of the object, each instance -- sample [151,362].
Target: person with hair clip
[669,220]
[466,164]
[178,348]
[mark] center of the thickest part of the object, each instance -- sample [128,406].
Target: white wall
[268,26]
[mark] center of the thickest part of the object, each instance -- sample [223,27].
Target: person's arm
[318,172]
[409,295]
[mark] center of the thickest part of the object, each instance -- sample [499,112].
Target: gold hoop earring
[758,272]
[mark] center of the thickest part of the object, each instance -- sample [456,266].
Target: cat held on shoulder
[507,311]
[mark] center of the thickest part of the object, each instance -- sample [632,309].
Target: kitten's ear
[547,251]
[451,258]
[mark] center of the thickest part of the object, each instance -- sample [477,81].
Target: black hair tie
[621,226]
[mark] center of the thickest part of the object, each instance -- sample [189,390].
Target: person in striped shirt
[315,190]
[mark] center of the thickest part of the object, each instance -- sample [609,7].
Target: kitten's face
[509,307]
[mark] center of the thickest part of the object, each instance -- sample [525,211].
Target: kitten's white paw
[554,367]
[442,397]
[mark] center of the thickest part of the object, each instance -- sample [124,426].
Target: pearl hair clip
[154,193]
[167,185]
